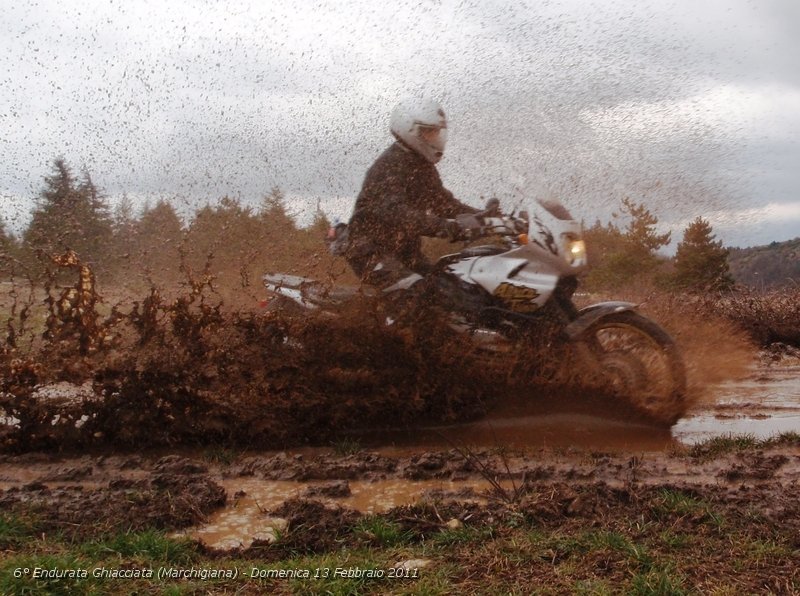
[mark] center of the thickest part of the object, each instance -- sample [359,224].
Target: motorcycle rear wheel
[640,364]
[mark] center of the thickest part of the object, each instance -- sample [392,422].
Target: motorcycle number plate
[519,298]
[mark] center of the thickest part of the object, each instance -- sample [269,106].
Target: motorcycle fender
[591,314]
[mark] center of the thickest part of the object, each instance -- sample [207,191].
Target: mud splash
[763,403]
[186,371]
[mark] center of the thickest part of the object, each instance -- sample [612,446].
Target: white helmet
[422,125]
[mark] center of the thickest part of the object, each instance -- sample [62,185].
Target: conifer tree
[158,236]
[5,240]
[274,215]
[320,224]
[618,256]
[124,225]
[701,262]
[70,214]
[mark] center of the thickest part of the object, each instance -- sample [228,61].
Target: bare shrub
[767,317]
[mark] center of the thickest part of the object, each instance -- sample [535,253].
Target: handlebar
[492,223]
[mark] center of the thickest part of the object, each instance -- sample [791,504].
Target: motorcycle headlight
[576,253]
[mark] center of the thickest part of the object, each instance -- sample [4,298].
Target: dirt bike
[519,289]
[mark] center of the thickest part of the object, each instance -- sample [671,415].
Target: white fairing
[525,277]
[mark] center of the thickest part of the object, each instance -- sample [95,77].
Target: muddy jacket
[401,200]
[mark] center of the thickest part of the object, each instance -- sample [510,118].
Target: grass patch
[675,540]
[761,552]
[346,446]
[634,552]
[592,588]
[674,503]
[15,529]
[717,446]
[217,454]
[14,580]
[784,439]
[658,582]
[343,572]
[667,542]
[150,546]
[381,531]
[463,535]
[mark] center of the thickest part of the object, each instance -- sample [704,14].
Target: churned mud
[569,499]
[96,495]
[265,437]
[231,497]
[236,500]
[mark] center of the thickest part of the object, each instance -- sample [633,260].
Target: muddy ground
[154,447]
[723,515]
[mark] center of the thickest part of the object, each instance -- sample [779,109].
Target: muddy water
[247,517]
[764,403]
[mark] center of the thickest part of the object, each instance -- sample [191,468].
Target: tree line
[619,255]
[237,242]
[228,240]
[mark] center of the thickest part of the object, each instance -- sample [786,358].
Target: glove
[450,229]
[469,224]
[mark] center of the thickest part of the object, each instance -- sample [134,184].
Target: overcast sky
[692,108]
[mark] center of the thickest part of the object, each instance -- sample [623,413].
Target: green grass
[382,532]
[658,582]
[592,588]
[219,455]
[17,575]
[675,541]
[717,446]
[330,573]
[664,544]
[15,529]
[150,547]
[674,503]
[464,534]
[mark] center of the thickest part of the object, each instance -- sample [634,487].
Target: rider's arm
[441,200]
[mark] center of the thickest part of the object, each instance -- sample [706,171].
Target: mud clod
[313,527]
[69,474]
[175,464]
[754,465]
[333,490]
[163,501]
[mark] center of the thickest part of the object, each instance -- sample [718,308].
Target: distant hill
[774,265]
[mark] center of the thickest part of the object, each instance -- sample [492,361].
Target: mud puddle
[763,404]
[247,516]
[241,492]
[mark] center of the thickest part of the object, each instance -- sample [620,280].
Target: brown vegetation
[768,317]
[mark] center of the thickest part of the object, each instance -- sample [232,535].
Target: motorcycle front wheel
[639,363]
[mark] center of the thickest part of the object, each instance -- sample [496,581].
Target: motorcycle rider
[403,198]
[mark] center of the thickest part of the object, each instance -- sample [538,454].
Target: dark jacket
[402,199]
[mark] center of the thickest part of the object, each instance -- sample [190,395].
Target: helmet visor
[433,136]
